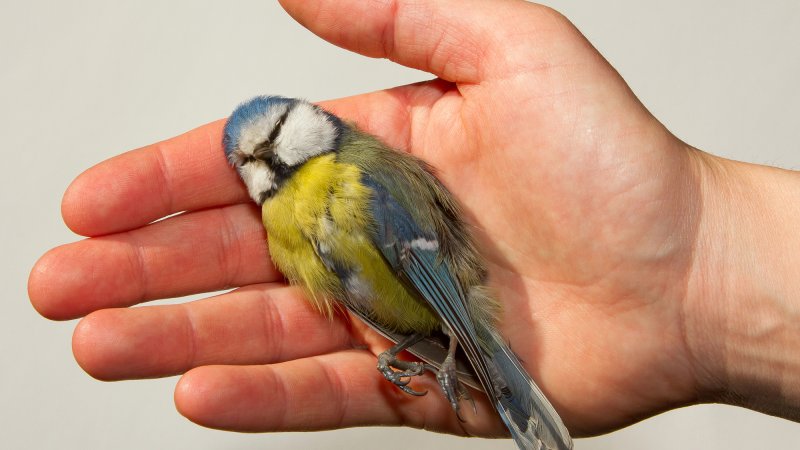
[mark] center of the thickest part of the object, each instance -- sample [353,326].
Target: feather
[414,254]
[350,219]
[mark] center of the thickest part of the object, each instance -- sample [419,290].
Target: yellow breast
[323,209]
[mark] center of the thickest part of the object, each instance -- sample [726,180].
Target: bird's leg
[448,379]
[388,362]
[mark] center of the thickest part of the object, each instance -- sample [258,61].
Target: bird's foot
[453,389]
[400,372]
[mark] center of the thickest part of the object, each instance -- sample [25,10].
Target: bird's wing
[432,349]
[414,255]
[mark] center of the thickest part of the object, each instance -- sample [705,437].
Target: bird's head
[268,137]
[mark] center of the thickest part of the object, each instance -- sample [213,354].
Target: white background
[82,81]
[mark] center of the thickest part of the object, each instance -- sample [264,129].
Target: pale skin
[637,274]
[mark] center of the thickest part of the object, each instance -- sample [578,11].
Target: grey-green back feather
[421,194]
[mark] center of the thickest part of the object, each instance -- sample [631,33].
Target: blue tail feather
[532,420]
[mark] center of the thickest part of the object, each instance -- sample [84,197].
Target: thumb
[462,41]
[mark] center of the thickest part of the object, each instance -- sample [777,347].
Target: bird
[362,225]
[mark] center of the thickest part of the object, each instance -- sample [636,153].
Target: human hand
[589,213]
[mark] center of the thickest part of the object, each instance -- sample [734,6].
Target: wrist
[742,314]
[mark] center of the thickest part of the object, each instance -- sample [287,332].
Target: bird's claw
[411,391]
[453,389]
[400,372]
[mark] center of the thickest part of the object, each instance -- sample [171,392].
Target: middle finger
[259,324]
[187,254]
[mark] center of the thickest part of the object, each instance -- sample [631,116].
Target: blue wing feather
[522,406]
[395,236]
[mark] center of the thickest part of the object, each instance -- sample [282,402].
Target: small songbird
[355,221]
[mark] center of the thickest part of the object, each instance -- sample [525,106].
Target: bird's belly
[318,232]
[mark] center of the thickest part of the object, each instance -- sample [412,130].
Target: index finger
[190,172]
[187,172]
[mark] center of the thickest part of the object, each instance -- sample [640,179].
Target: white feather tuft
[306,133]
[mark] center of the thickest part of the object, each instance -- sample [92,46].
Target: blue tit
[357,222]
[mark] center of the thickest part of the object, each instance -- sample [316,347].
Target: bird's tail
[532,420]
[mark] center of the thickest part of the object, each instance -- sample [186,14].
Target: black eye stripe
[265,150]
[238,158]
[276,131]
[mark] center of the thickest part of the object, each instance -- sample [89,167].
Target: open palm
[580,200]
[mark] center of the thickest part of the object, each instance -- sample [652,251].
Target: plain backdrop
[83,81]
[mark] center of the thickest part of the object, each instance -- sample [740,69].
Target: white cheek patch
[306,133]
[257,130]
[258,178]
